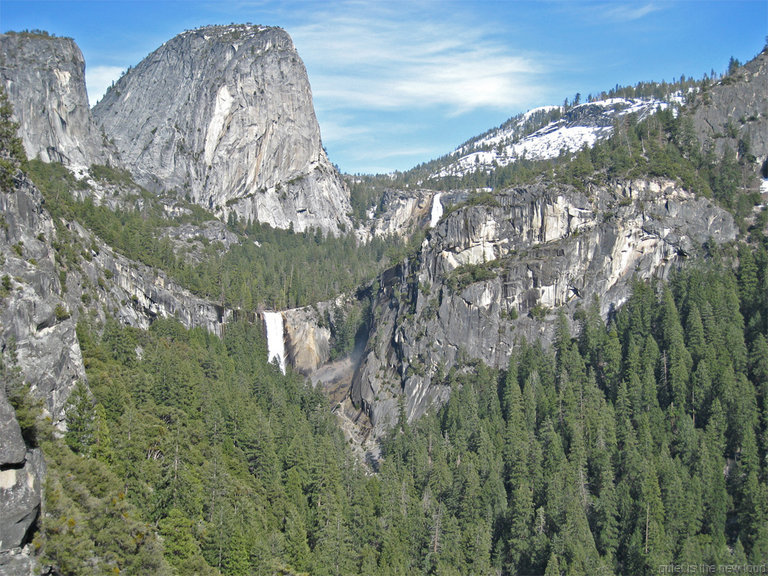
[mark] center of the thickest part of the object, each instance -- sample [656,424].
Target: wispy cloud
[370,55]
[98,79]
[630,12]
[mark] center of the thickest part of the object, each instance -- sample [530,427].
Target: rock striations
[224,115]
[44,77]
[492,271]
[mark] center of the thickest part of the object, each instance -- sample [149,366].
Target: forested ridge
[267,267]
[626,447]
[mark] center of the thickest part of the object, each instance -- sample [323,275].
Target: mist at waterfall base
[273,321]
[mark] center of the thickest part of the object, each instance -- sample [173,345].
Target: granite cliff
[44,77]
[494,269]
[39,348]
[733,111]
[223,115]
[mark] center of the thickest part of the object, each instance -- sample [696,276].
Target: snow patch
[577,129]
[528,115]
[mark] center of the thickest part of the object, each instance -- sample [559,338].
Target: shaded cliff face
[224,114]
[45,81]
[36,324]
[39,347]
[489,274]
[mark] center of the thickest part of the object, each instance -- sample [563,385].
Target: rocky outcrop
[308,338]
[489,272]
[12,447]
[400,214]
[36,326]
[224,115]
[136,294]
[735,109]
[44,77]
[190,240]
[20,500]
[39,347]
[404,212]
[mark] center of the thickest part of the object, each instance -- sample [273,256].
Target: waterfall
[273,322]
[437,210]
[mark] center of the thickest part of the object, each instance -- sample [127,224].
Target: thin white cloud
[419,151]
[627,12]
[338,128]
[372,56]
[98,79]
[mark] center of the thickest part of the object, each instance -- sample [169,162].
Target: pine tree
[676,360]
[102,438]
[712,466]
[694,334]
[520,516]
[611,362]
[79,436]
[553,566]
[181,549]
[748,281]
[11,148]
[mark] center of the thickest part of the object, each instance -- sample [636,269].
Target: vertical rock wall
[224,115]
[44,77]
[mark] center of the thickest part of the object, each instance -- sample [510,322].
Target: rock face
[12,447]
[44,77]
[136,294]
[488,273]
[36,326]
[735,109]
[21,472]
[224,115]
[39,347]
[20,497]
[308,343]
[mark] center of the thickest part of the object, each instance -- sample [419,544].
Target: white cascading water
[437,210]
[275,338]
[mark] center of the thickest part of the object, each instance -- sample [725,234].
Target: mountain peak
[223,115]
[44,77]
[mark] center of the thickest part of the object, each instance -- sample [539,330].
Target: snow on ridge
[568,133]
[501,135]
[528,115]
[550,145]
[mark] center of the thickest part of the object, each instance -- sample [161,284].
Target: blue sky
[400,82]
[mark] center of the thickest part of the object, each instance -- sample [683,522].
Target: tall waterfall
[437,210]
[275,338]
